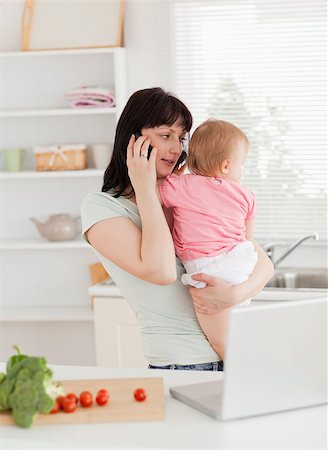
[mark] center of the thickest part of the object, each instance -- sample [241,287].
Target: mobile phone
[181,159]
[137,135]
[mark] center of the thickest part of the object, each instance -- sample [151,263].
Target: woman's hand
[142,172]
[217,295]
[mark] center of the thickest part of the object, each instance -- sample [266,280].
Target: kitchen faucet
[269,248]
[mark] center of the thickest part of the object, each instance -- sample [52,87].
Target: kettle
[59,227]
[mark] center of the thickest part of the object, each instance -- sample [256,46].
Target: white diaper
[234,267]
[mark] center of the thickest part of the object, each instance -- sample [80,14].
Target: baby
[213,215]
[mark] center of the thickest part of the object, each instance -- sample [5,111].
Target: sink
[295,284]
[282,295]
[293,278]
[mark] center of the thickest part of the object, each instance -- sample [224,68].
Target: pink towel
[91,97]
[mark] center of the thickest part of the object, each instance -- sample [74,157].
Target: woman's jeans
[213,366]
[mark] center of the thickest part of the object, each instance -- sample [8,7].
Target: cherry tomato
[86,399]
[72,397]
[60,400]
[102,399]
[140,395]
[56,408]
[103,392]
[69,405]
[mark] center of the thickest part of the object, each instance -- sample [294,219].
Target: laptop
[276,360]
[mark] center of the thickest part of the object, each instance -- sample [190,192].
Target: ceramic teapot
[59,227]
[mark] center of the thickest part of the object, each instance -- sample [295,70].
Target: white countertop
[104,290]
[267,294]
[183,427]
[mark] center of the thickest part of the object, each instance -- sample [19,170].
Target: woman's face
[169,141]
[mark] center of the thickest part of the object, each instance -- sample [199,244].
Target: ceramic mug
[13,159]
[102,154]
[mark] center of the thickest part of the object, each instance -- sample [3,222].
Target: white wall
[148,43]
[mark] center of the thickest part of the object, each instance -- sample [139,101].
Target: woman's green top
[169,327]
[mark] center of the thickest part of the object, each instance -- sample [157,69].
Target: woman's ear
[225,166]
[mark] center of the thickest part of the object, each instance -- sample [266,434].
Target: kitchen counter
[183,427]
[267,294]
[104,290]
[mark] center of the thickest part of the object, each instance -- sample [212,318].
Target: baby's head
[218,149]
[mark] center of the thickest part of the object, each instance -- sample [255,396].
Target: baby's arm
[249,229]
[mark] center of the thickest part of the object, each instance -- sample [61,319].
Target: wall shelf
[56,112]
[51,174]
[51,314]
[38,244]
[41,281]
[80,51]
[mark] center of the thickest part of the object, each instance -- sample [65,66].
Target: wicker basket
[61,157]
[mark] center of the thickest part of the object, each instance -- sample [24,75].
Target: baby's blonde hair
[212,143]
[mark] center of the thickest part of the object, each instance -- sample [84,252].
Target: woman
[129,230]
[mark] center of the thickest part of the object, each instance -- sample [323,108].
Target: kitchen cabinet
[117,333]
[44,284]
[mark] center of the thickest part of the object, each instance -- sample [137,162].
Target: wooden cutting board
[122,407]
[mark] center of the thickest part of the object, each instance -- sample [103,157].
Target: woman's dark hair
[147,108]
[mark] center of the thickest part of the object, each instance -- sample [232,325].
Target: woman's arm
[120,240]
[147,254]
[218,294]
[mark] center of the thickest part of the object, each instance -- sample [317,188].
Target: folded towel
[91,97]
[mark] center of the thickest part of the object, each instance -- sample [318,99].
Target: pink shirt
[209,214]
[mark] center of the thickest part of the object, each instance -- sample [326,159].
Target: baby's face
[236,161]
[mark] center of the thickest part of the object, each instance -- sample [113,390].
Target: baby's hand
[142,172]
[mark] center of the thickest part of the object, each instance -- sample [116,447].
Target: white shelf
[38,244]
[51,314]
[32,115]
[56,112]
[51,174]
[80,51]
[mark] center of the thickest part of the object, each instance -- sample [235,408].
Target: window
[261,65]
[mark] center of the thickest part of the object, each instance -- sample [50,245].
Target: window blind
[261,65]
